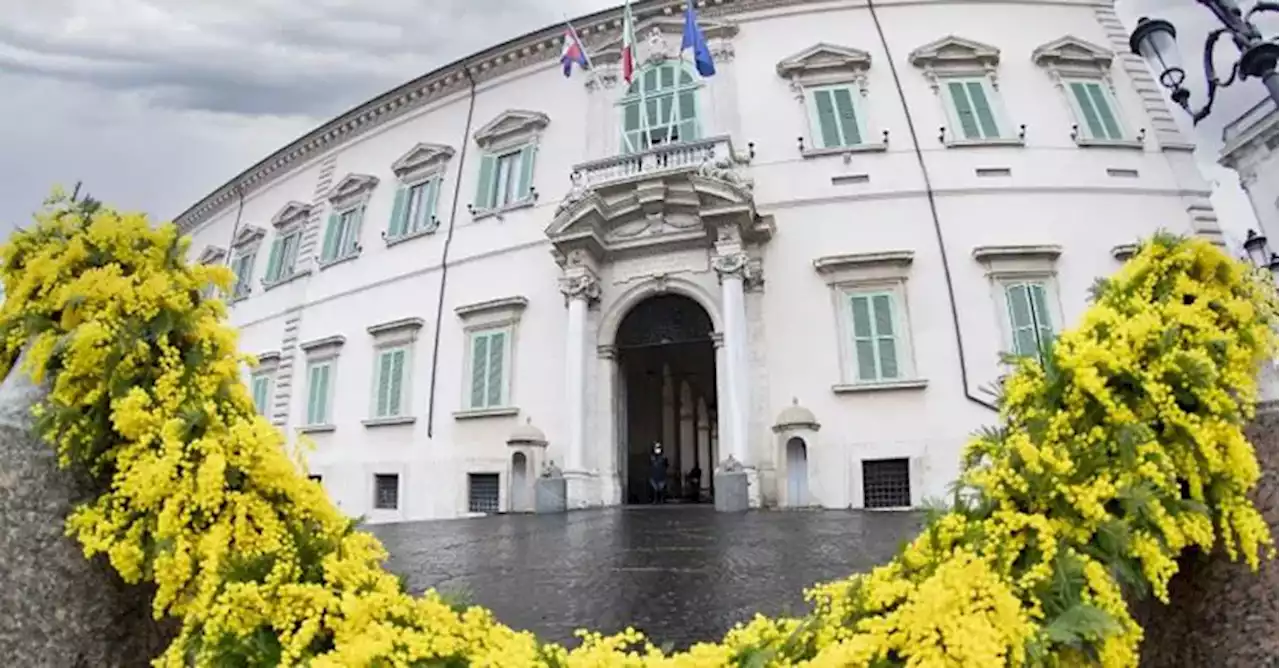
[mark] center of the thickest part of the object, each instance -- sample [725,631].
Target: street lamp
[1255,246]
[1156,41]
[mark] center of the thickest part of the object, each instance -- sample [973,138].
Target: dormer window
[660,107]
[420,173]
[831,82]
[509,145]
[342,232]
[963,74]
[1082,71]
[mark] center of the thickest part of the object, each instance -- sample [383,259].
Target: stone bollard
[56,607]
[731,487]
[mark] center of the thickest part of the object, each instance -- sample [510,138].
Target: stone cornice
[538,47]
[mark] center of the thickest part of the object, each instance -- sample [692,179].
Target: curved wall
[1040,203]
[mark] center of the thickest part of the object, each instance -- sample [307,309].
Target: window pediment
[248,235]
[350,187]
[892,265]
[1014,260]
[825,63]
[421,158]
[659,39]
[511,124]
[1071,55]
[323,347]
[291,213]
[212,255]
[953,55]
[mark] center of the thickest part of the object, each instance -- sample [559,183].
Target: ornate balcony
[672,196]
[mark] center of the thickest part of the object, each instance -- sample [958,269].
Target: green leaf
[1079,625]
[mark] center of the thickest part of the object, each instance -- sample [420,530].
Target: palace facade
[808,263]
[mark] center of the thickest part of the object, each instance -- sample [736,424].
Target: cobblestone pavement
[680,574]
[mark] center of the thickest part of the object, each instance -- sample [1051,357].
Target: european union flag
[694,39]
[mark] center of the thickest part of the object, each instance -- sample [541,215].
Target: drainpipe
[444,254]
[933,212]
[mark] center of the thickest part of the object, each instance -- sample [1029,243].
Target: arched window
[660,107]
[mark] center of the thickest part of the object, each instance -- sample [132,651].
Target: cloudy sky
[153,103]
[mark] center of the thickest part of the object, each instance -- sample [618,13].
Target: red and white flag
[628,43]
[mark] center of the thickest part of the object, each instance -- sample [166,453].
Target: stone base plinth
[549,495]
[732,491]
[582,490]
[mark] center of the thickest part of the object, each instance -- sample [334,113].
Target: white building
[1249,148]
[813,257]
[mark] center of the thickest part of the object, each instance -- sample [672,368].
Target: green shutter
[1044,322]
[826,118]
[1091,120]
[964,112]
[848,120]
[313,394]
[631,141]
[331,240]
[1103,107]
[525,186]
[399,215]
[427,208]
[1021,320]
[384,385]
[479,361]
[497,350]
[886,338]
[273,260]
[863,339]
[484,186]
[688,115]
[978,96]
[397,382]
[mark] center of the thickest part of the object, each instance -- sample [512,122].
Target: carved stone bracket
[725,168]
[578,191]
[737,265]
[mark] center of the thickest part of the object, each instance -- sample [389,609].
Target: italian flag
[628,43]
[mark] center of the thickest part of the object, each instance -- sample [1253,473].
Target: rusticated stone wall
[1220,613]
[57,609]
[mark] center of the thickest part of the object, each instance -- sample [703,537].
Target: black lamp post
[1156,41]
[1255,246]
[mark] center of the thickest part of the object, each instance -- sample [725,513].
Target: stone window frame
[267,368]
[503,314]
[212,255]
[882,271]
[246,243]
[290,221]
[350,195]
[953,58]
[1006,264]
[401,333]
[325,350]
[511,131]
[826,65]
[1070,59]
[419,165]
[376,468]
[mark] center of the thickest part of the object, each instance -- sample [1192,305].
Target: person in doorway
[658,474]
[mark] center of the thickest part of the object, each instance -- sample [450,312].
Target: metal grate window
[482,492]
[886,483]
[386,491]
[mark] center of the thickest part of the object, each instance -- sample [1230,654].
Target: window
[886,483]
[284,255]
[319,392]
[342,236]
[489,352]
[660,107]
[388,384]
[833,118]
[261,387]
[505,178]
[386,491]
[875,340]
[971,111]
[414,209]
[1030,324]
[243,268]
[482,492]
[1094,109]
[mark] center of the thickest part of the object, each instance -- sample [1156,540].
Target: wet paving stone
[680,574]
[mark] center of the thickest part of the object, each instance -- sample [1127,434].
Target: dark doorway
[668,363]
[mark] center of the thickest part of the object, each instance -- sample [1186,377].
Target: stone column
[580,287]
[732,269]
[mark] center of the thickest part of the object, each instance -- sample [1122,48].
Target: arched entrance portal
[667,360]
